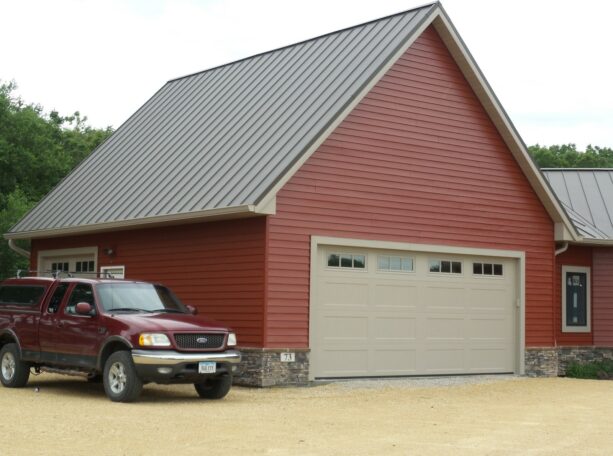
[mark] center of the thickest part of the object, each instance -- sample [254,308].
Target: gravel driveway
[458,415]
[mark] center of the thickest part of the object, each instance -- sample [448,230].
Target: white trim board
[317,241]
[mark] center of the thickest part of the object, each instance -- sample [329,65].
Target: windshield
[138,297]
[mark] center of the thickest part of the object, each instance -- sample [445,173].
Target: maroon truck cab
[125,333]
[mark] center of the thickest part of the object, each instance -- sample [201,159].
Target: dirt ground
[511,416]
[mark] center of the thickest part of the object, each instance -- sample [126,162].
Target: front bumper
[166,366]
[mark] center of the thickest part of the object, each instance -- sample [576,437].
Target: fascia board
[190,217]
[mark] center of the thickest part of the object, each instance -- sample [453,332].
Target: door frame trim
[317,241]
[43,255]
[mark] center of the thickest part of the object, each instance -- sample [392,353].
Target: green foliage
[567,156]
[595,370]
[36,151]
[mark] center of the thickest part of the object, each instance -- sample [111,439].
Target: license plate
[206,367]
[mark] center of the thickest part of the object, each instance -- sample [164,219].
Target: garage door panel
[487,359]
[342,328]
[489,328]
[444,360]
[489,300]
[394,329]
[394,361]
[440,298]
[369,322]
[445,328]
[345,363]
[345,293]
[397,296]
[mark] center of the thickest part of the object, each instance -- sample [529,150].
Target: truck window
[81,293]
[21,295]
[56,299]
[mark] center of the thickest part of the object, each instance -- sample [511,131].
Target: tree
[36,151]
[567,156]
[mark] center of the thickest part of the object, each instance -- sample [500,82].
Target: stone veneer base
[263,367]
[552,362]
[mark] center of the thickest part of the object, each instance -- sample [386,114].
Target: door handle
[59,324]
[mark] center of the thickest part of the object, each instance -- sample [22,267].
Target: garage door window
[446,266]
[390,263]
[488,269]
[346,261]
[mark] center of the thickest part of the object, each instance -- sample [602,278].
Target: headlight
[231,340]
[153,340]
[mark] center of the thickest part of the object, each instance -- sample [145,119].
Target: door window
[82,293]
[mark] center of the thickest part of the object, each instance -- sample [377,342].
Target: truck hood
[162,322]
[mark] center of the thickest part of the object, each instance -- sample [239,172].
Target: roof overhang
[225,213]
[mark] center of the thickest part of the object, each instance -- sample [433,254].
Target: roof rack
[58,274]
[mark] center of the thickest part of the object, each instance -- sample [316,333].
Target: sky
[549,62]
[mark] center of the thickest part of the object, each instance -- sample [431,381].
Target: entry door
[576,299]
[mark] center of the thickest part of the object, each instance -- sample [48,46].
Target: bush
[594,370]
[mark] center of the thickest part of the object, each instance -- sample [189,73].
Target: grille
[190,341]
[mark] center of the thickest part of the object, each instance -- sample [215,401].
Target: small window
[487,269]
[347,261]
[85,266]
[21,295]
[395,263]
[445,266]
[113,272]
[62,267]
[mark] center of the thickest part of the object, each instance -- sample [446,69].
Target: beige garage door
[385,313]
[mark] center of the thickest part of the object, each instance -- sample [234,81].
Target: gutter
[23,252]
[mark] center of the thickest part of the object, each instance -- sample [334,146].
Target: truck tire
[14,373]
[121,383]
[214,388]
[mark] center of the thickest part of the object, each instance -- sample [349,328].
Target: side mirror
[192,310]
[84,308]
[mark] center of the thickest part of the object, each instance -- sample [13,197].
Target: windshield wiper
[129,309]
[169,311]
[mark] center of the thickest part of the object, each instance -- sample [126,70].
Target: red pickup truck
[125,333]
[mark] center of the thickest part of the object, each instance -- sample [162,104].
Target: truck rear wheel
[121,383]
[214,388]
[14,373]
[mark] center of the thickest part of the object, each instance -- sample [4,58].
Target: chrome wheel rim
[117,378]
[8,366]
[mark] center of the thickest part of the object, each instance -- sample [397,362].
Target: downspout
[18,250]
[562,249]
[559,251]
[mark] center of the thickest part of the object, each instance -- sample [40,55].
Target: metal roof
[587,196]
[222,138]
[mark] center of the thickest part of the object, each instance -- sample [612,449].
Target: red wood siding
[602,296]
[217,267]
[418,160]
[574,256]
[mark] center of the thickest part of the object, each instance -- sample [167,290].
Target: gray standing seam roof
[587,196]
[222,138]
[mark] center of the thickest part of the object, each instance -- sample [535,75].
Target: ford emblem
[202,340]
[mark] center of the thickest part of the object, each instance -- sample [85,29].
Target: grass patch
[594,370]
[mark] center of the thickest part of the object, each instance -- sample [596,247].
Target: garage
[388,312]
[78,262]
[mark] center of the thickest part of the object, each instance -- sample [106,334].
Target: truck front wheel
[214,388]
[121,383]
[14,373]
